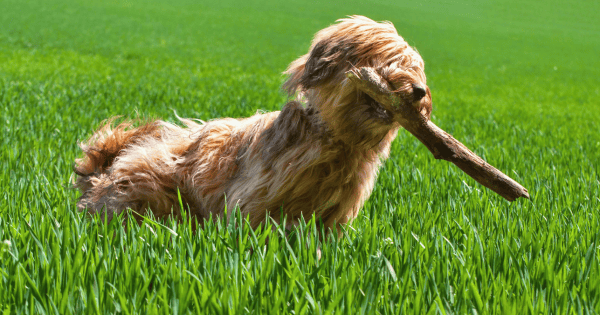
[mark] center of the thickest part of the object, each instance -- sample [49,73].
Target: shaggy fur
[319,155]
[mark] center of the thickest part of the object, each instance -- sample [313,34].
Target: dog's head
[352,43]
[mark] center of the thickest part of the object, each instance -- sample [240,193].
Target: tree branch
[441,144]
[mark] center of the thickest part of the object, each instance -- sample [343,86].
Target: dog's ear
[295,71]
[325,59]
[321,64]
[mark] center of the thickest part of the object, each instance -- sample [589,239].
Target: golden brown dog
[318,155]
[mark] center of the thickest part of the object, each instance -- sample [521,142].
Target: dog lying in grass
[319,155]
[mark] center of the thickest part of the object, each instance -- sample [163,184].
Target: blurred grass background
[516,81]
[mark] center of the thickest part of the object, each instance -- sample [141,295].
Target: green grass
[516,81]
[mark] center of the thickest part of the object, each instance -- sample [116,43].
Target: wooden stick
[440,143]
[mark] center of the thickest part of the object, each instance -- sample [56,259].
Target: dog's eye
[418,91]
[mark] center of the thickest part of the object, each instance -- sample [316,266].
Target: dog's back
[154,165]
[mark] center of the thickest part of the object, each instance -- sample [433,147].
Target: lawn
[516,81]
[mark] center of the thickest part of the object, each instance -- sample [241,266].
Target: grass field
[516,81]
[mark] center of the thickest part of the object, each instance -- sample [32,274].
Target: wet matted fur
[320,154]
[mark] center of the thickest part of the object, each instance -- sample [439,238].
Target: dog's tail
[107,143]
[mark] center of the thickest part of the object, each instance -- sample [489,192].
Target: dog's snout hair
[319,155]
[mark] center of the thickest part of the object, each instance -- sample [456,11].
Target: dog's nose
[418,91]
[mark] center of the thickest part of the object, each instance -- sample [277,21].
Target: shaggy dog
[319,155]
